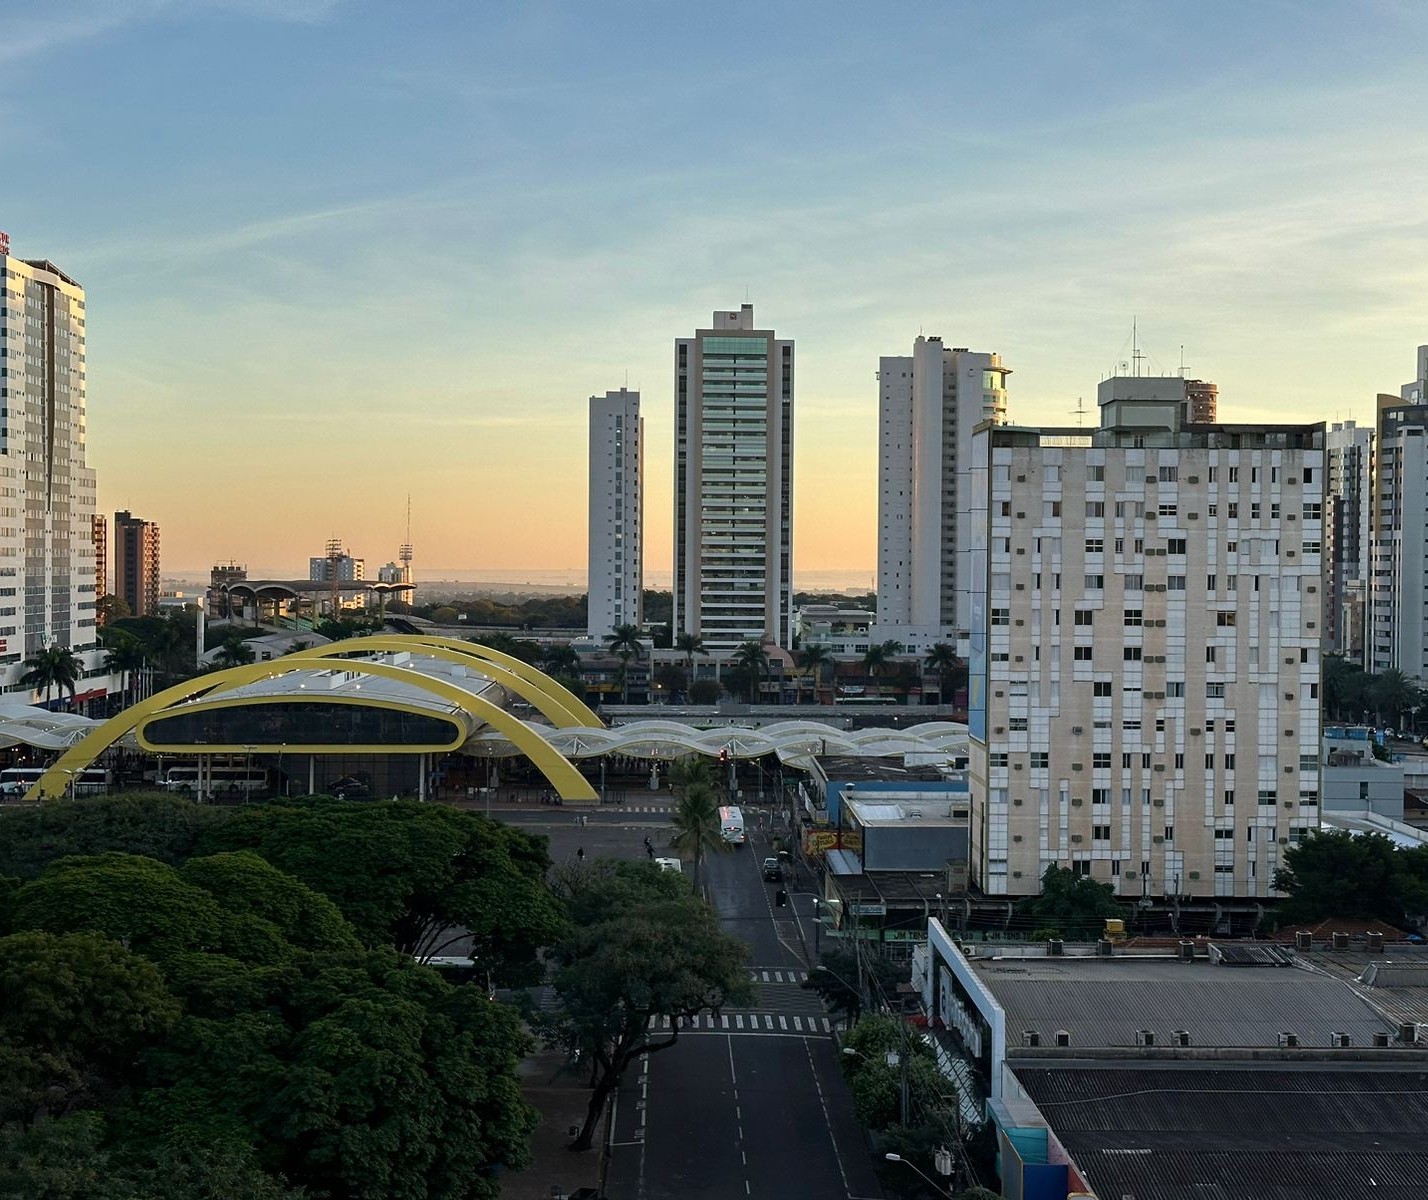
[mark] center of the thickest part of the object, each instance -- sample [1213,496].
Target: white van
[670,864]
[731,825]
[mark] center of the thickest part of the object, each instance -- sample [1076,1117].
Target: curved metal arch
[516,666]
[551,700]
[567,781]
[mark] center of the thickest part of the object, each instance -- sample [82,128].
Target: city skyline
[324,260]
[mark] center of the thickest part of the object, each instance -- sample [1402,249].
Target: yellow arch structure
[568,782]
[547,697]
[584,715]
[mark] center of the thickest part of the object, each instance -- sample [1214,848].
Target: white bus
[16,781]
[731,825]
[216,780]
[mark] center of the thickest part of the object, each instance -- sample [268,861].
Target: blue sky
[337,251]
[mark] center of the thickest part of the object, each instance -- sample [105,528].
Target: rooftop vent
[1289,1040]
[1181,1037]
[1144,1037]
[1380,1039]
[1339,1041]
[1030,1037]
[1375,942]
[1408,1033]
[1304,940]
[1063,1037]
[1341,941]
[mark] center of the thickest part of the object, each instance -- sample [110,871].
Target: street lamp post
[937,1187]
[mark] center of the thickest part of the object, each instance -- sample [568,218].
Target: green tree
[813,661]
[625,644]
[642,945]
[1345,686]
[671,679]
[844,980]
[694,821]
[110,607]
[125,656]
[51,668]
[1333,873]
[751,661]
[705,691]
[1075,905]
[561,659]
[950,670]
[156,825]
[411,875]
[1393,694]
[234,652]
[690,644]
[78,1008]
[879,657]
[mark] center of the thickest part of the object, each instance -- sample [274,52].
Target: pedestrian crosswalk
[747,1022]
[775,976]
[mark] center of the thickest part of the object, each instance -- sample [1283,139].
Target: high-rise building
[615,595]
[47,595]
[928,406]
[346,568]
[99,535]
[1144,691]
[733,484]
[136,563]
[1398,624]
[1348,537]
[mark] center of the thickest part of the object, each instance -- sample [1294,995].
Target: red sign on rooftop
[4,242]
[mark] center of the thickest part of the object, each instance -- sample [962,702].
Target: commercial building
[337,564]
[1189,1068]
[733,484]
[1348,538]
[47,503]
[615,594]
[1398,624]
[136,563]
[1144,672]
[928,405]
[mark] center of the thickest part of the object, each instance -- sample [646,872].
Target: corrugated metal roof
[1158,1133]
[1103,1002]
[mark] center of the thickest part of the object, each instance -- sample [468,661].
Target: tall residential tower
[136,563]
[733,484]
[1144,677]
[1348,538]
[928,405]
[615,593]
[47,568]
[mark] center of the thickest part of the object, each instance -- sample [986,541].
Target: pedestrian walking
[580,854]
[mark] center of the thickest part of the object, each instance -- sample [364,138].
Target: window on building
[1083,616]
[1134,616]
[1131,654]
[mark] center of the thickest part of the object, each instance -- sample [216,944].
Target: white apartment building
[733,484]
[347,568]
[928,406]
[1145,670]
[1348,537]
[615,593]
[47,490]
[1398,622]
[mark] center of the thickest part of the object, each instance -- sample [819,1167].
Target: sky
[339,252]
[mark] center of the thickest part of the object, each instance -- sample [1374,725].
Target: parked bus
[731,825]
[216,780]
[16,781]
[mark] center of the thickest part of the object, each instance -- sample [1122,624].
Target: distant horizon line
[831,577]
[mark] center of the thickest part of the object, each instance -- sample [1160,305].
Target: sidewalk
[561,1097]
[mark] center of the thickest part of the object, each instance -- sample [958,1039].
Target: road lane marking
[739,1020]
[827,1119]
[782,1023]
[768,1021]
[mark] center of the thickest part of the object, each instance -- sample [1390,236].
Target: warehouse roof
[1159,1132]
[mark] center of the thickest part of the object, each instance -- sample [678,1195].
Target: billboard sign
[4,242]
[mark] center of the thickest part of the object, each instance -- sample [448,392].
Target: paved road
[750,1103]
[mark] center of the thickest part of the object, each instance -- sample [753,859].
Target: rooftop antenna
[1136,355]
[1182,360]
[404,551]
[334,562]
[1080,411]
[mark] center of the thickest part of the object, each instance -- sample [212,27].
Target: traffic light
[724,756]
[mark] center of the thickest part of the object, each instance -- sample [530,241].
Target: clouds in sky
[327,242]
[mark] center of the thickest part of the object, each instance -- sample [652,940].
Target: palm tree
[625,643]
[690,644]
[943,660]
[561,660]
[125,657]
[753,661]
[234,652]
[687,772]
[875,661]
[52,667]
[1392,693]
[695,821]
[812,660]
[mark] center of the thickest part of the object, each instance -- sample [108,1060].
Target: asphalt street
[749,1103]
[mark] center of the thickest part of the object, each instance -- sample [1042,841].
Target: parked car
[773,870]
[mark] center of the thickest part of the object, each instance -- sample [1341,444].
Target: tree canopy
[1333,873]
[641,945]
[1071,905]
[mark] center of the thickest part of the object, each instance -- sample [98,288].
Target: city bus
[216,780]
[731,825]
[16,781]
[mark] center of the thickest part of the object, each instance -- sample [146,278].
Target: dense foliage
[1333,873]
[1070,905]
[217,1005]
[642,944]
